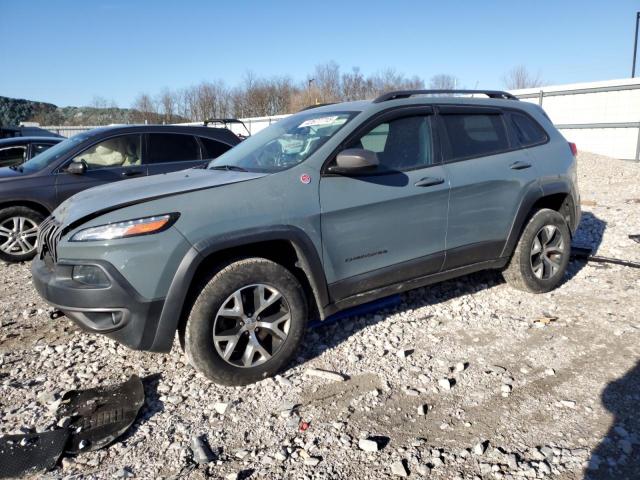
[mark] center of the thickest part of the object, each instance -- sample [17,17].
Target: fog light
[90,275]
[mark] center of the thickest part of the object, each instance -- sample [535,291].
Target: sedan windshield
[52,154]
[283,144]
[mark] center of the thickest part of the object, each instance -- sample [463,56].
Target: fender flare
[535,193]
[308,259]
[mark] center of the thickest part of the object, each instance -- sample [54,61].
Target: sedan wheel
[18,236]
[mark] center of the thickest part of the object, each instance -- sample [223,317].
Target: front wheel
[542,254]
[246,323]
[18,233]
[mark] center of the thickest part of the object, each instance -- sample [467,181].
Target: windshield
[52,154]
[283,144]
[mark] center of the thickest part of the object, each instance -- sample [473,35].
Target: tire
[12,220]
[528,269]
[247,280]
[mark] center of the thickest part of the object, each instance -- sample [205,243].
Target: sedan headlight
[126,229]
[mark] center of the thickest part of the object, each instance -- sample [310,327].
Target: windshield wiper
[232,168]
[16,167]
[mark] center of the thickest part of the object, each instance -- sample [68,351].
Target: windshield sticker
[316,122]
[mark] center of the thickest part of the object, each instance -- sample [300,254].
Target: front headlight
[127,228]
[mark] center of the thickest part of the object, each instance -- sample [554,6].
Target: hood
[112,196]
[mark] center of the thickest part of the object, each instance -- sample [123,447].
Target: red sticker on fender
[305,178]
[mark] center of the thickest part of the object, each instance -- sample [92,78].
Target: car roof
[4,142]
[221,134]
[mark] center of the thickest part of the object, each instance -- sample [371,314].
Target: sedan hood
[112,196]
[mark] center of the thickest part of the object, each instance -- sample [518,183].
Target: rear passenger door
[489,176]
[169,152]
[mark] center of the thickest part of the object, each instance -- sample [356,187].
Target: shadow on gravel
[589,234]
[618,455]
[323,337]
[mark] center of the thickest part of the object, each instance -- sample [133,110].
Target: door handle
[519,165]
[429,181]
[132,173]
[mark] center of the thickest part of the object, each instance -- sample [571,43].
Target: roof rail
[409,93]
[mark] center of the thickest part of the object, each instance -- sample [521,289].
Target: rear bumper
[117,311]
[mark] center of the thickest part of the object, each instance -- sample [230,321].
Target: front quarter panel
[148,262]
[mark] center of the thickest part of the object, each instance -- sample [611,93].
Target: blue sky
[67,52]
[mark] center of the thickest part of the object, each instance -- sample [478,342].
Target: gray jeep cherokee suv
[329,208]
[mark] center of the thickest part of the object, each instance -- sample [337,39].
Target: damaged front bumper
[114,309]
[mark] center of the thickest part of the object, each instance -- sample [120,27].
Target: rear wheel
[246,323]
[541,256]
[18,233]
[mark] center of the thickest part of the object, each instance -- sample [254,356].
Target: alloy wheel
[251,325]
[547,251]
[18,235]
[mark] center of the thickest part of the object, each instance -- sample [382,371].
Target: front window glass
[12,156]
[284,144]
[122,151]
[53,154]
[401,144]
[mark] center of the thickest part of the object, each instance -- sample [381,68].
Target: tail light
[574,149]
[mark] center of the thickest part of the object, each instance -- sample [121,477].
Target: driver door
[116,158]
[387,226]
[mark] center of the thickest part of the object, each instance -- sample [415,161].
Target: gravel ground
[467,379]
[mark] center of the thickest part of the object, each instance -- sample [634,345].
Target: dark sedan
[31,190]
[17,150]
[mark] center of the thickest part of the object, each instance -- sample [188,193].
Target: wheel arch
[36,206]
[286,245]
[556,196]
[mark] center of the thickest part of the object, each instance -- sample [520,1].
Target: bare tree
[354,85]
[144,109]
[443,81]
[519,77]
[167,103]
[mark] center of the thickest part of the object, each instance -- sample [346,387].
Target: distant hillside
[16,110]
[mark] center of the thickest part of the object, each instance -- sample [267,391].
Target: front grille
[49,234]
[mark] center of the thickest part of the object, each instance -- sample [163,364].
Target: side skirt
[418,282]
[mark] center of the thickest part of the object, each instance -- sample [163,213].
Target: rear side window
[527,131]
[39,148]
[474,135]
[169,147]
[213,148]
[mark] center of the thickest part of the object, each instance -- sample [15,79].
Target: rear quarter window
[213,148]
[526,131]
[475,135]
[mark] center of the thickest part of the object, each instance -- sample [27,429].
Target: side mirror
[355,160]
[77,168]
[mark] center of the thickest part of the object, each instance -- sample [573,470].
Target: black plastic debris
[585,253]
[100,415]
[31,452]
[580,252]
[635,238]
